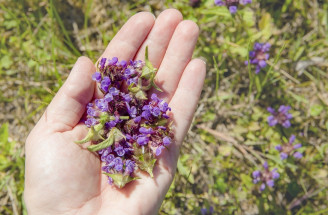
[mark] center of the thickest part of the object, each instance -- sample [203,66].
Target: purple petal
[96,76]
[298,155]
[219,2]
[265,165]
[292,138]
[270,183]
[297,146]
[272,121]
[102,63]
[286,124]
[256,174]
[167,141]
[142,140]
[262,187]
[262,63]
[283,156]
[271,110]
[279,148]
[233,9]
[159,150]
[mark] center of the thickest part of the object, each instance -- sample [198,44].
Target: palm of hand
[64,178]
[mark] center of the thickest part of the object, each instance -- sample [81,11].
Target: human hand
[64,178]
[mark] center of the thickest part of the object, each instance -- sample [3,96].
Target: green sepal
[133,89]
[121,180]
[161,122]
[104,117]
[114,135]
[155,86]
[104,144]
[93,134]
[141,95]
[144,159]
[147,61]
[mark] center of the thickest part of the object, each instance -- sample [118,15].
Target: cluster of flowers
[282,117]
[232,5]
[127,128]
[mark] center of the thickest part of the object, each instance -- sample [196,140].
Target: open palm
[65,178]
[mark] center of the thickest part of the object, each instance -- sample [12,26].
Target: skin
[65,178]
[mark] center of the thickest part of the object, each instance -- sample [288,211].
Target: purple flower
[265,176]
[281,117]
[205,211]
[143,140]
[288,149]
[259,55]
[233,9]
[167,141]
[129,167]
[117,164]
[113,91]
[232,5]
[90,122]
[102,63]
[144,130]
[105,84]
[159,150]
[119,151]
[96,76]
[102,105]
[122,63]
[127,97]
[113,61]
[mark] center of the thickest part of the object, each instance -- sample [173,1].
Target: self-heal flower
[259,56]
[281,117]
[289,149]
[265,177]
[232,5]
[96,76]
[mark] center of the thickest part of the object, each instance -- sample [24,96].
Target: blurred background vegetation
[229,137]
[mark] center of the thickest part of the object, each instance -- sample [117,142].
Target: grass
[229,138]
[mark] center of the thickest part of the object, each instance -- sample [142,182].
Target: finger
[159,36]
[68,106]
[186,97]
[128,40]
[177,56]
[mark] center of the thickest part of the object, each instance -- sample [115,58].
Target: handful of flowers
[127,128]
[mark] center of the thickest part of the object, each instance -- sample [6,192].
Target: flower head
[265,177]
[232,5]
[289,149]
[259,56]
[281,117]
